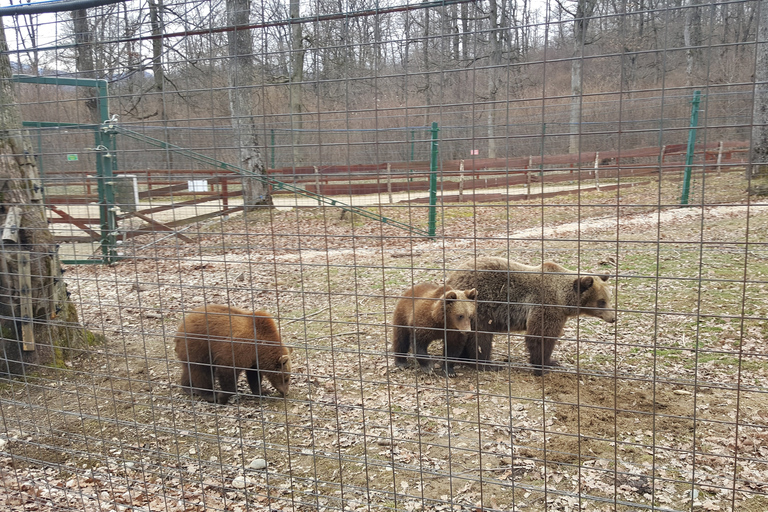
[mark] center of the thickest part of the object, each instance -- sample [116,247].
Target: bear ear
[583,284]
[451,295]
[284,359]
[604,277]
[471,294]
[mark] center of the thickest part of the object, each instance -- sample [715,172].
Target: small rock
[241,482]
[258,464]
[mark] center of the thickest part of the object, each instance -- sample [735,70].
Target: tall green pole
[273,147]
[106,164]
[433,182]
[413,144]
[541,164]
[691,146]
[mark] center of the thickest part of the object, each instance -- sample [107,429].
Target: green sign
[71,158]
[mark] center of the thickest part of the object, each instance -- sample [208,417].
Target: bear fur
[428,312]
[217,341]
[538,300]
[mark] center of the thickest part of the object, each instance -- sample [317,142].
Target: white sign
[197,185]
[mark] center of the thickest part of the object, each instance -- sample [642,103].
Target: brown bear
[537,300]
[217,341]
[428,312]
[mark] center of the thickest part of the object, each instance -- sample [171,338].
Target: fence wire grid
[579,184]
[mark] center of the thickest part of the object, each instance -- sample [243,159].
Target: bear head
[280,376]
[594,297]
[459,309]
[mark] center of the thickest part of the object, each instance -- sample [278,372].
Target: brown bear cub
[218,342]
[537,300]
[428,312]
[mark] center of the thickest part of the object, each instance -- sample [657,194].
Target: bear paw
[541,370]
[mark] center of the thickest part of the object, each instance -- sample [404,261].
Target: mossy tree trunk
[26,236]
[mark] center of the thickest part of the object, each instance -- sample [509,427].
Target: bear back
[500,281]
[230,336]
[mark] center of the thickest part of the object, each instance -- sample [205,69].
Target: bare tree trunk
[688,41]
[241,77]
[53,317]
[494,74]
[84,59]
[427,76]
[297,77]
[584,11]
[155,21]
[465,31]
[759,155]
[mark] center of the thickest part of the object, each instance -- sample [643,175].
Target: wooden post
[528,185]
[719,156]
[25,299]
[317,185]
[597,165]
[461,181]
[224,192]
[12,223]
[389,182]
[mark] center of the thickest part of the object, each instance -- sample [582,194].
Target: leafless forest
[494,74]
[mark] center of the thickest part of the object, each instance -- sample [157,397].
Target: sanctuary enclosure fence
[314,160]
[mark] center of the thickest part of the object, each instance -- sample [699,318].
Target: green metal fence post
[272,143]
[433,182]
[413,144]
[691,146]
[541,164]
[105,167]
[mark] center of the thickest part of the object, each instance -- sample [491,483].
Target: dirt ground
[666,409]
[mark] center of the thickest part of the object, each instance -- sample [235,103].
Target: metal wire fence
[628,376]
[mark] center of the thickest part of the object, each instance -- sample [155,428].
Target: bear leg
[540,350]
[201,381]
[254,380]
[401,343]
[227,378]
[453,350]
[422,356]
[478,348]
[185,379]
[544,329]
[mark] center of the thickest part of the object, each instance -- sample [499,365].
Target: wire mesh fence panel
[384,256]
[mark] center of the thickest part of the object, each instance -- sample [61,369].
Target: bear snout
[464,327]
[282,387]
[609,316]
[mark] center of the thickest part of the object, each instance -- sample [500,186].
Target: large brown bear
[216,341]
[516,297]
[428,312]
